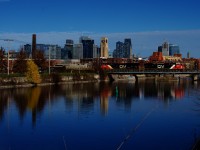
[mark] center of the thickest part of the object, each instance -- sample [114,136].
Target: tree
[3,62]
[20,65]
[32,73]
[40,60]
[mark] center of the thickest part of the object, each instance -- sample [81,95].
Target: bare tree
[40,60]
[3,63]
[20,65]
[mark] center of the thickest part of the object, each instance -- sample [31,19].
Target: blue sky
[56,20]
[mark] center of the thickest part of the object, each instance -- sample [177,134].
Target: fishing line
[64,143]
[134,129]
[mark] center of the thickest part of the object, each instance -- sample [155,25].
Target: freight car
[164,66]
[125,65]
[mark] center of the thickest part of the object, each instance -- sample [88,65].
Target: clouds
[144,43]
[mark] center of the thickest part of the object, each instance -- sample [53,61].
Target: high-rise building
[67,52]
[42,47]
[127,48]
[118,52]
[58,52]
[53,52]
[50,51]
[123,50]
[104,47]
[169,49]
[159,48]
[88,46]
[173,49]
[188,54]
[96,51]
[78,51]
[165,49]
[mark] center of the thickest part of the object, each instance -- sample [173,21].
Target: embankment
[14,82]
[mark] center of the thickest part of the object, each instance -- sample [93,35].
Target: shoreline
[21,82]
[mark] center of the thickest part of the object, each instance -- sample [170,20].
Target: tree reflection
[84,97]
[3,104]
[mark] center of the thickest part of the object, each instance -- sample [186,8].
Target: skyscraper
[50,51]
[188,54]
[127,48]
[159,48]
[67,52]
[104,47]
[165,49]
[88,46]
[78,51]
[169,49]
[123,50]
[95,51]
[118,52]
[173,49]
[53,52]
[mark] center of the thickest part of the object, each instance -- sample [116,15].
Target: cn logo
[160,66]
[122,66]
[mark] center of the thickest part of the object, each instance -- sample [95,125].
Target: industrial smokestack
[33,45]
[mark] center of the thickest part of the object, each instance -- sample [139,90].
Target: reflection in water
[35,99]
[195,96]
[91,114]
[105,93]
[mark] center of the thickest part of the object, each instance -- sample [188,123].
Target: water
[121,115]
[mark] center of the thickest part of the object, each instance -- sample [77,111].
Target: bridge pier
[195,77]
[136,78]
[111,79]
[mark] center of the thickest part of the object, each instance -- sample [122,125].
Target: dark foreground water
[104,116]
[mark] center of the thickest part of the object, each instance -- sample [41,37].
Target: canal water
[94,116]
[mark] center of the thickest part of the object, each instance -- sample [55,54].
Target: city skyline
[143,43]
[147,23]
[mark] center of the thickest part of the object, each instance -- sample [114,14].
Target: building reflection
[105,94]
[85,98]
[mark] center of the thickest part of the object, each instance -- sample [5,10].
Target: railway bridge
[194,74]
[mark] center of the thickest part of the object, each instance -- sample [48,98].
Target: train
[131,64]
[145,66]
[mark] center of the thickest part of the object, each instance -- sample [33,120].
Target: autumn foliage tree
[20,65]
[32,73]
